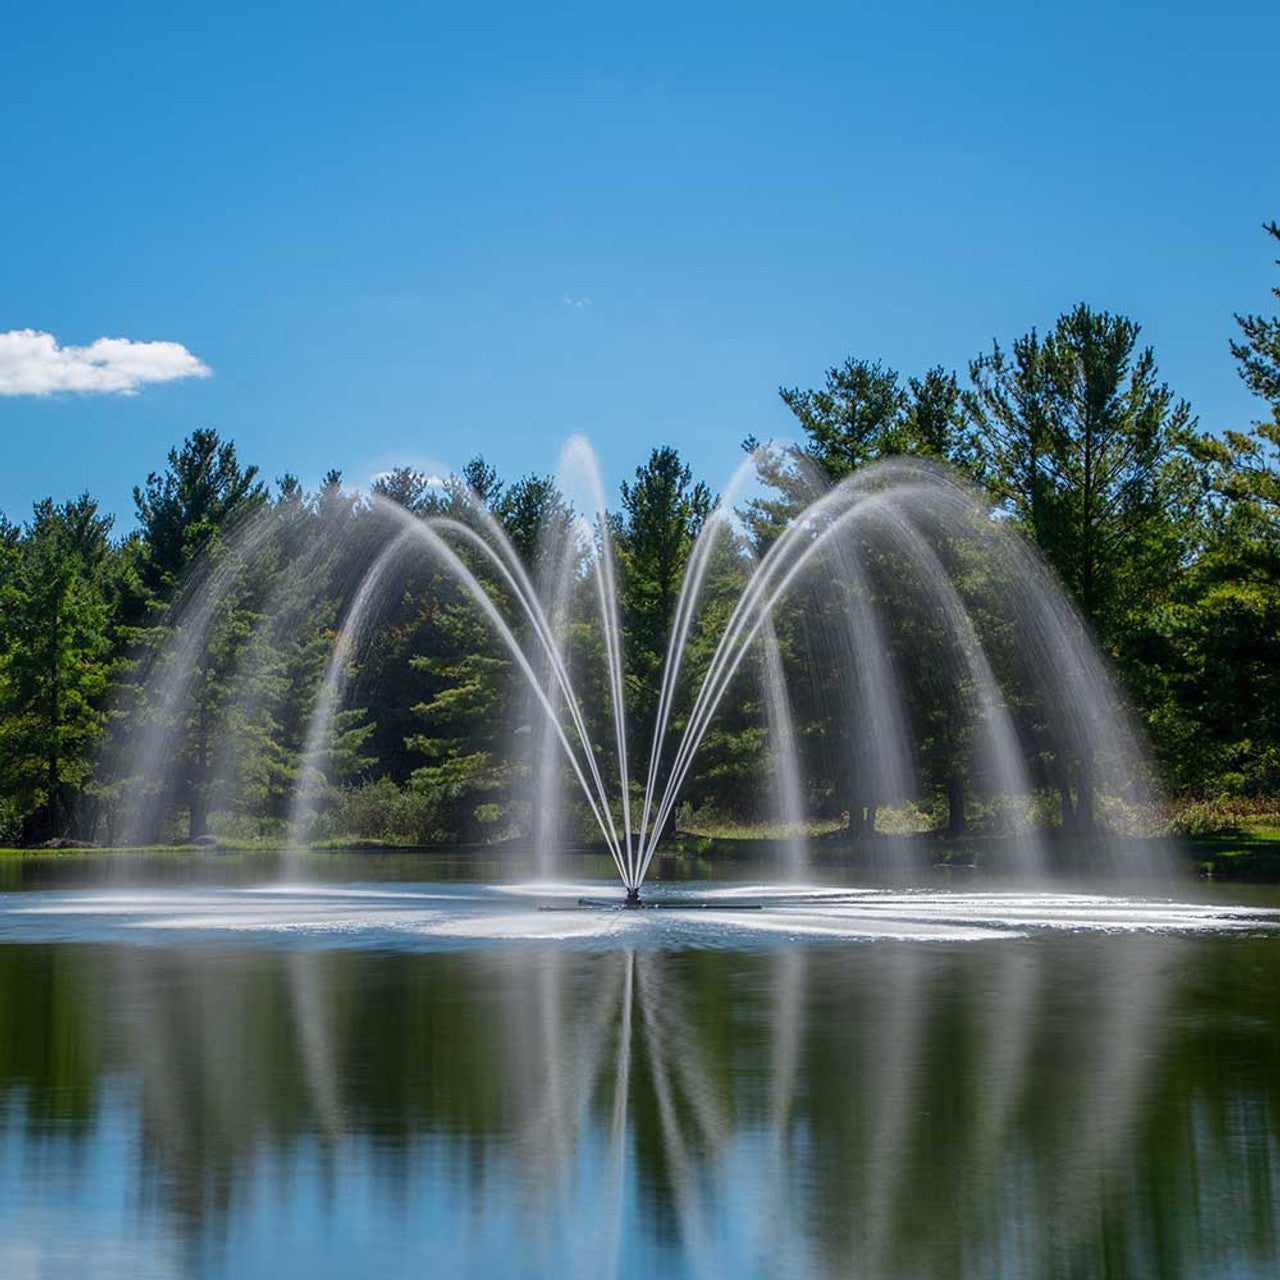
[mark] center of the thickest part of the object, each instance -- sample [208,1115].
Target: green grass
[142,851]
[1231,838]
[1241,855]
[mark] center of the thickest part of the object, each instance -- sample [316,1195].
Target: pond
[403,1067]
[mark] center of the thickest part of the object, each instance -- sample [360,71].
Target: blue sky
[414,233]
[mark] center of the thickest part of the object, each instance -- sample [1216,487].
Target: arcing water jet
[871,570]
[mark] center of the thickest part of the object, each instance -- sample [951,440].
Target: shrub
[380,810]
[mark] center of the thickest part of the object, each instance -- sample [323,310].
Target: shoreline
[1245,857]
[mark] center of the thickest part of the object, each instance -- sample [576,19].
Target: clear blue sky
[414,233]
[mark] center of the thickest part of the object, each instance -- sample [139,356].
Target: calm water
[420,1075]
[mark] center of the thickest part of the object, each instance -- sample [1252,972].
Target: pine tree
[1211,669]
[1090,452]
[56,659]
[199,495]
[663,510]
[188,512]
[1255,467]
[863,413]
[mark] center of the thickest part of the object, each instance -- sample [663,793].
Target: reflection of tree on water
[1058,1106]
[995,1094]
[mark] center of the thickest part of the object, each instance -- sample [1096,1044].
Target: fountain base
[633,902]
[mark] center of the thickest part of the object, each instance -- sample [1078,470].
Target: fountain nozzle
[633,896]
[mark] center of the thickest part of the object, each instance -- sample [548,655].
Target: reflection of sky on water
[417,1079]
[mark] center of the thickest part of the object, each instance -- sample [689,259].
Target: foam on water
[442,916]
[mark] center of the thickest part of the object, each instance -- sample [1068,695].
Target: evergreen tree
[863,412]
[1211,671]
[529,511]
[482,479]
[1254,467]
[406,487]
[1258,350]
[185,512]
[1090,452]
[202,491]
[471,711]
[56,659]
[663,510]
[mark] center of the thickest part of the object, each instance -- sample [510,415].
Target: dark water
[224,1082]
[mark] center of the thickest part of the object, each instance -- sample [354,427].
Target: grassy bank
[1244,855]
[140,851]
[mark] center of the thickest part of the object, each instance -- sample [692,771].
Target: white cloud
[573,303]
[33,364]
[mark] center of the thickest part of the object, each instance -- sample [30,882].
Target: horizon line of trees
[1166,536]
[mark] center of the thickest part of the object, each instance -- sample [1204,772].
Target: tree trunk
[862,816]
[55,785]
[669,827]
[1068,808]
[1085,819]
[55,714]
[198,806]
[198,817]
[854,808]
[955,804]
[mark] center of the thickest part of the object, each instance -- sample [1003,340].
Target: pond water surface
[401,1068]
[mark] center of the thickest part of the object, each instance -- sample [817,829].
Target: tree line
[1166,535]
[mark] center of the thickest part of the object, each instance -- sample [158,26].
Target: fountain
[900,534]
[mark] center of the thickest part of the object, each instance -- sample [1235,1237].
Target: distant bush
[380,810]
[10,822]
[245,828]
[908,819]
[1223,815]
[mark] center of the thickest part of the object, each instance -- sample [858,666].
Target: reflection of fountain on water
[784,1134]
[996,1108]
[897,534]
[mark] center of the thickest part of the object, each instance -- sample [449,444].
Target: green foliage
[1213,673]
[663,509]
[380,811]
[58,581]
[472,701]
[864,412]
[531,511]
[1258,351]
[1091,454]
[202,490]
[1226,815]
